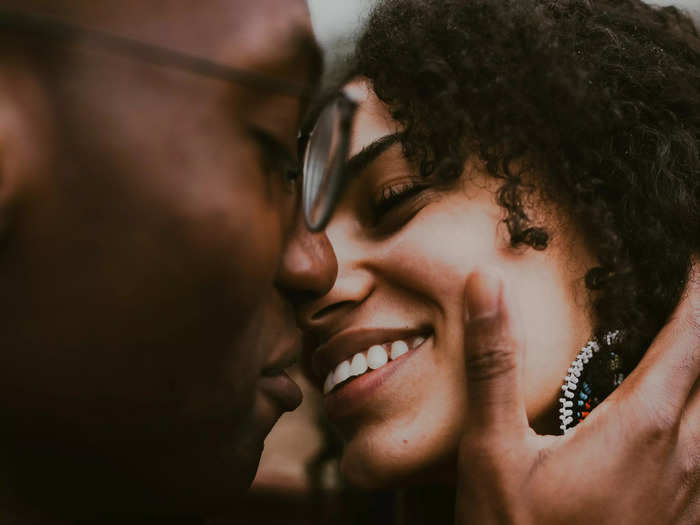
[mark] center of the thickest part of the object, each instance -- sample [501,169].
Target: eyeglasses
[325,152]
[60,30]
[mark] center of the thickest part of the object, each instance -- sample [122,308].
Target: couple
[522,178]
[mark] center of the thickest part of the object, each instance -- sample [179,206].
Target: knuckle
[690,471]
[490,361]
[655,412]
[691,444]
[662,424]
[490,350]
[541,460]
[691,319]
[690,361]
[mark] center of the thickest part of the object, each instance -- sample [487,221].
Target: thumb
[493,356]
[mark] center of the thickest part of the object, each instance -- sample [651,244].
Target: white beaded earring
[576,401]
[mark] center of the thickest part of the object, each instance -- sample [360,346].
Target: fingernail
[483,293]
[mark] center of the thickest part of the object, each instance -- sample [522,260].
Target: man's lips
[344,345]
[276,383]
[280,387]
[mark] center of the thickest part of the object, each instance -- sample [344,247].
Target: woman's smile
[367,361]
[363,378]
[356,351]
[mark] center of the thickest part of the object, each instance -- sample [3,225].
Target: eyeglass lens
[322,166]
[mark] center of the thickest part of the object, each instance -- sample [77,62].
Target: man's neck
[13,511]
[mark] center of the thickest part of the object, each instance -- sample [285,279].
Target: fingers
[689,439]
[671,366]
[492,348]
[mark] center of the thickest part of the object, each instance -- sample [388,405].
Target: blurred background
[298,481]
[338,22]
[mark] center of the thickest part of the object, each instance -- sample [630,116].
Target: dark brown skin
[141,262]
[635,459]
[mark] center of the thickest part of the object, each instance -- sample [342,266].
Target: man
[145,201]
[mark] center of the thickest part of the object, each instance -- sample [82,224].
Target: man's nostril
[301,298]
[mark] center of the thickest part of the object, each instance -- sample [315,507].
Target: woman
[553,142]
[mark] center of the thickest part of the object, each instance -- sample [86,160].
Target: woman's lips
[350,397]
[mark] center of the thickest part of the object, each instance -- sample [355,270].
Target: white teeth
[376,357]
[329,384]
[358,365]
[342,372]
[398,348]
[418,341]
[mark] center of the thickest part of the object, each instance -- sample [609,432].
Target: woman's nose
[309,265]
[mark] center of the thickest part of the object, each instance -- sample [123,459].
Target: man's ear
[24,115]
[9,175]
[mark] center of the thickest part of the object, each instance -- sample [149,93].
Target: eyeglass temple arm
[59,29]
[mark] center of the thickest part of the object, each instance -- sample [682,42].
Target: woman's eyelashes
[394,204]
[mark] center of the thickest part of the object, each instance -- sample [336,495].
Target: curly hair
[598,99]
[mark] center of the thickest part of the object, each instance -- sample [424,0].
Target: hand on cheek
[634,460]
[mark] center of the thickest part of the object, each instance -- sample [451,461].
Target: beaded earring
[579,397]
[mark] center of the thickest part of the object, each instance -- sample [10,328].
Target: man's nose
[309,266]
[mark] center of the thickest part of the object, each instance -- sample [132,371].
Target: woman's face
[404,249]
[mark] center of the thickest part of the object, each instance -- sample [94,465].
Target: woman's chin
[374,466]
[364,475]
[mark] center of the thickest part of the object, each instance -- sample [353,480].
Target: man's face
[143,322]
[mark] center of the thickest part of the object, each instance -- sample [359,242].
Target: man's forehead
[277,38]
[259,34]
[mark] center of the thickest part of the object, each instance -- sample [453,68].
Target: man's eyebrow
[305,47]
[358,162]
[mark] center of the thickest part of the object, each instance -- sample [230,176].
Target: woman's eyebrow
[358,162]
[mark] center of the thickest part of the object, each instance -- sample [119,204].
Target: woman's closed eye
[396,203]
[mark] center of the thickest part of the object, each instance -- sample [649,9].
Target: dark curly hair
[598,99]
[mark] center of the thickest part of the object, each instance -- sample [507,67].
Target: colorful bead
[574,382]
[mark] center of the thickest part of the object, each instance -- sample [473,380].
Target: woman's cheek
[435,252]
[426,264]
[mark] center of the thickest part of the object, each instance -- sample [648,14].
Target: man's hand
[634,460]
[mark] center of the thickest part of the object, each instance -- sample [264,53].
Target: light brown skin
[403,277]
[141,262]
[468,401]
[138,293]
[635,459]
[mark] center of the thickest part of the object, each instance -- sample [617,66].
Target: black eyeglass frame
[337,178]
[60,30]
